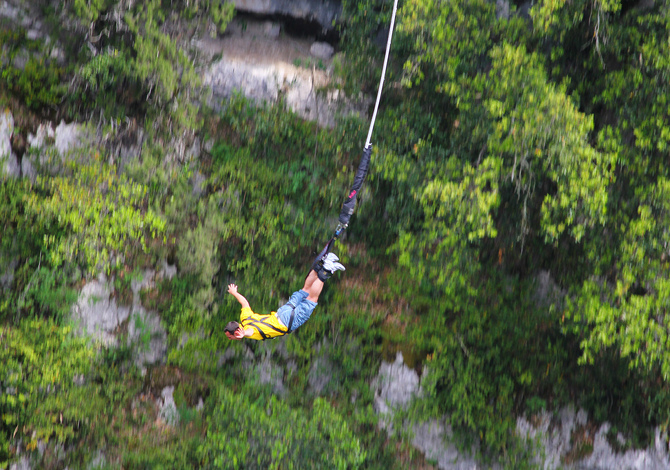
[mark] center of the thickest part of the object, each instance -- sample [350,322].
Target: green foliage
[541,135]
[249,433]
[197,252]
[484,356]
[631,312]
[309,63]
[258,218]
[451,38]
[165,71]
[46,294]
[89,10]
[507,150]
[221,13]
[140,71]
[36,288]
[38,80]
[92,215]
[107,74]
[498,158]
[40,401]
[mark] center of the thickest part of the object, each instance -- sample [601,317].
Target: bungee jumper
[300,306]
[290,315]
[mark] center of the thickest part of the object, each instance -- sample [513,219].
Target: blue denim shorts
[302,308]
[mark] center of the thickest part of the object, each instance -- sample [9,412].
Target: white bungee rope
[381,81]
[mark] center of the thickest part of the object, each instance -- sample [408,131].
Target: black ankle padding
[322,274]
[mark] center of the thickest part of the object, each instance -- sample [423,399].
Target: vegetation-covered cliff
[511,239]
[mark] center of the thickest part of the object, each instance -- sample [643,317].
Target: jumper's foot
[327,266]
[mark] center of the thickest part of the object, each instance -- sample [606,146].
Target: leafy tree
[517,171]
[40,399]
[39,81]
[164,70]
[92,215]
[247,433]
[622,304]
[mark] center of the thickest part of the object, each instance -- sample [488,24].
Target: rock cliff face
[256,59]
[98,315]
[7,157]
[324,12]
[564,439]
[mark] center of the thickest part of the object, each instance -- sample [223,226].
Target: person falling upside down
[288,317]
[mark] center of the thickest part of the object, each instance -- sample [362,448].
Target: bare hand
[232,289]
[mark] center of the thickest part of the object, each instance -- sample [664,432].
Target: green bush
[92,215]
[39,82]
[247,433]
[39,362]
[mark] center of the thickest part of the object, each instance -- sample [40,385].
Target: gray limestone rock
[49,147]
[434,439]
[547,292]
[33,34]
[318,377]
[8,11]
[271,30]
[40,150]
[193,152]
[604,457]
[395,385]
[22,464]
[146,333]
[502,9]
[6,131]
[44,135]
[98,462]
[7,277]
[199,182]
[267,82]
[97,313]
[146,281]
[322,50]
[264,69]
[269,372]
[28,168]
[21,59]
[11,165]
[554,434]
[257,83]
[523,10]
[67,137]
[227,355]
[167,410]
[148,336]
[167,271]
[320,373]
[128,149]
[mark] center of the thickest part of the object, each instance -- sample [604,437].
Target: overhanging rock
[324,12]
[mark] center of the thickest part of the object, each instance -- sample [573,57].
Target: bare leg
[313,286]
[309,280]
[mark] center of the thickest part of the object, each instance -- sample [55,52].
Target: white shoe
[332,257]
[331,265]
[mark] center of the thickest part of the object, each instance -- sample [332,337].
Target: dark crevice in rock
[295,27]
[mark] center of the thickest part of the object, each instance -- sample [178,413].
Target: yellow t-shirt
[264,326]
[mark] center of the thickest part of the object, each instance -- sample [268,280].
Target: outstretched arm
[232,289]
